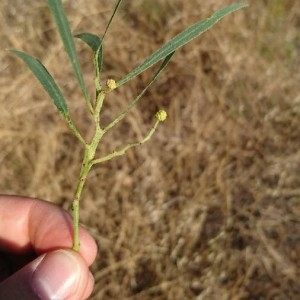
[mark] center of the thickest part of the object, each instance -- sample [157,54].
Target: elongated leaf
[181,39]
[62,24]
[112,17]
[90,39]
[163,65]
[95,43]
[46,80]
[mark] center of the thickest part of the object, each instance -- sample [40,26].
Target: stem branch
[127,147]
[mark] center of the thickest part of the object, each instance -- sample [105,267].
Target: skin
[36,260]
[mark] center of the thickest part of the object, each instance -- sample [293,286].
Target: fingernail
[57,276]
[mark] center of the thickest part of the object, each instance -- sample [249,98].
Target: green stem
[89,154]
[127,147]
[99,103]
[85,168]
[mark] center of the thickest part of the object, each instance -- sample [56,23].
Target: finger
[27,223]
[60,274]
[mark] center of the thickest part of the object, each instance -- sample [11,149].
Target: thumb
[57,275]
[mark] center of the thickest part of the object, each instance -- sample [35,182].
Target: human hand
[36,260]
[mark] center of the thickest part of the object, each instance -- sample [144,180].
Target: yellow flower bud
[161,115]
[111,84]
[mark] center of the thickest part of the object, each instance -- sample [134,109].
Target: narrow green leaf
[112,17]
[90,39]
[62,24]
[46,80]
[162,66]
[95,43]
[181,39]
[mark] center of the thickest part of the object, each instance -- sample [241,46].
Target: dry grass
[210,207]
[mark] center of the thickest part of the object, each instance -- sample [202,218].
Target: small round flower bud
[111,84]
[161,115]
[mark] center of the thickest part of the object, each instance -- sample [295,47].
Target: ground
[209,208]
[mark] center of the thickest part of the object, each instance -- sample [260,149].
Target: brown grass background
[210,207]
